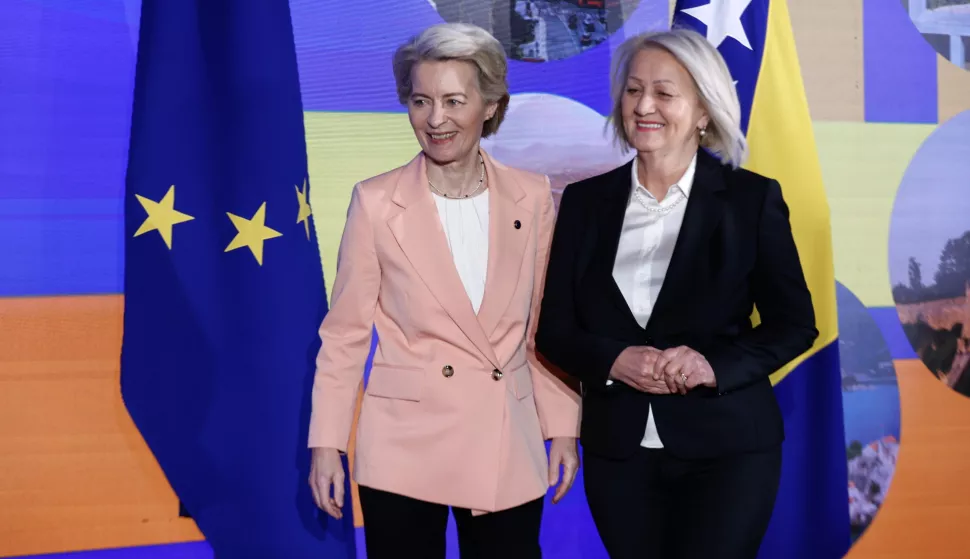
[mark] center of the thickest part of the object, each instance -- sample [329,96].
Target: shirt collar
[684,184]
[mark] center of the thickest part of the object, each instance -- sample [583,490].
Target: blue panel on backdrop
[61,247]
[67,72]
[899,66]
[887,318]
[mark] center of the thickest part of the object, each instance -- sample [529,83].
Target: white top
[650,230]
[465,222]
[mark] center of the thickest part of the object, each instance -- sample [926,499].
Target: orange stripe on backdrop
[953,90]
[928,504]
[75,471]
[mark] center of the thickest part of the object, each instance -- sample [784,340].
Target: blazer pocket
[400,383]
[522,381]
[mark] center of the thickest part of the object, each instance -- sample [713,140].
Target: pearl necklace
[481,181]
[651,208]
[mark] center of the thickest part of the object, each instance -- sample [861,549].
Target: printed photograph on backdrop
[541,30]
[945,24]
[555,136]
[870,403]
[929,253]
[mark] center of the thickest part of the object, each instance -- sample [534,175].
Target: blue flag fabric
[224,289]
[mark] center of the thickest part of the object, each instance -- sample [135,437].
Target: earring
[703,132]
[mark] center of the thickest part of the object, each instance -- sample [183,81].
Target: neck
[658,171]
[456,178]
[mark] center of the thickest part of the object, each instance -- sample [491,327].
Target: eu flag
[811,517]
[224,289]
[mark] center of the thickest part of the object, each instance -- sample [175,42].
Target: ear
[703,122]
[490,110]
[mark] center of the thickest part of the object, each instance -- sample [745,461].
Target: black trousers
[655,506]
[396,526]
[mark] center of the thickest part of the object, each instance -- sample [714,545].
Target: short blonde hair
[712,81]
[464,42]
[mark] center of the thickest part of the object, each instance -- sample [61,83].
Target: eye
[454,102]
[632,91]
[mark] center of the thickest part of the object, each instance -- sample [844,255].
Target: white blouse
[465,221]
[650,230]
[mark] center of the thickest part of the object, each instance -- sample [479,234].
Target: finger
[680,375]
[671,376]
[569,475]
[333,510]
[554,461]
[659,365]
[665,358]
[674,367]
[693,381]
[329,506]
[315,491]
[338,490]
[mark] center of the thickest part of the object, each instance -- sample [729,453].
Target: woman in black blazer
[654,271]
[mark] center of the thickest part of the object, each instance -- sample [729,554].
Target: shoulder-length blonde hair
[712,80]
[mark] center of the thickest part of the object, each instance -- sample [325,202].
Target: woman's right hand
[327,470]
[634,367]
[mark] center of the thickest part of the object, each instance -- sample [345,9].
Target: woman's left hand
[562,451]
[682,369]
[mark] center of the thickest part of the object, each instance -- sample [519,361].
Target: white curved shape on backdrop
[555,136]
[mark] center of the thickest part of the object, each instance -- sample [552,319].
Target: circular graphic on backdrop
[945,24]
[870,404]
[555,136]
[541,30]
[929,253]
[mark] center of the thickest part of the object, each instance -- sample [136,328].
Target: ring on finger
[683,377]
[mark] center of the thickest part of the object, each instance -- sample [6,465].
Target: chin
[438,155]
[648,147]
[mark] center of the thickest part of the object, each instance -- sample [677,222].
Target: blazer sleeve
[784,303]
[560,336]
[346,331]
[557,404]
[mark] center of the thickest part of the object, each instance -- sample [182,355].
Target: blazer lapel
[417,229]
[506,243]
[618,189]
[703,215]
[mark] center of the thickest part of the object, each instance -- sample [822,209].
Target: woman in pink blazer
[446,257]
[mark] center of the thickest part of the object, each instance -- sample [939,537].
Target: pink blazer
[457,407]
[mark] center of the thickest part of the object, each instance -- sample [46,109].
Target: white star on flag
[723,20]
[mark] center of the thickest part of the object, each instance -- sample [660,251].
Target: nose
[645,105]
[437,115]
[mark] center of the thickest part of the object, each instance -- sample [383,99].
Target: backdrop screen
[893,134]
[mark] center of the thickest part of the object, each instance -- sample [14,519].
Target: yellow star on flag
[303,216]
[162,216]
[252,232]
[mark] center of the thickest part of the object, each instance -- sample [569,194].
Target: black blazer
[735,250]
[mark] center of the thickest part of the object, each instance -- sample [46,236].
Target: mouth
[645,126]
[442,138]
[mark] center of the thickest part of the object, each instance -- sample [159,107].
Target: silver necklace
[481,181]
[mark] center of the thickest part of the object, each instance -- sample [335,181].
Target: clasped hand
[671,371]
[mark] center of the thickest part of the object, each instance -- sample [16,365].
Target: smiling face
[446,109]
[661,110]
